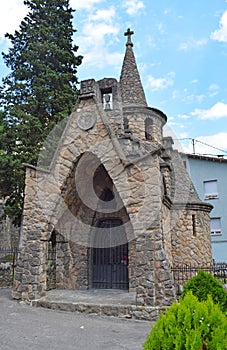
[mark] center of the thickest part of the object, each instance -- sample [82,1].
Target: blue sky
[181,52]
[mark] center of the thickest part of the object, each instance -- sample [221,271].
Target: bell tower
[144,122]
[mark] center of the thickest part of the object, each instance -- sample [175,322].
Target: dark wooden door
[110,256]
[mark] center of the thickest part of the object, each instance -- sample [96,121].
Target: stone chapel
[115,208]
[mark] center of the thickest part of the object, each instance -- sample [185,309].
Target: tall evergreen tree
[39,91]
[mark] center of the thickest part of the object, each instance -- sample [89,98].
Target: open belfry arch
[115,206]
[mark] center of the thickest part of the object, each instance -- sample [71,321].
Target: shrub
[189,325]
[204,284]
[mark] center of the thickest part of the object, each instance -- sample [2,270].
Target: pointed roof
[131,87]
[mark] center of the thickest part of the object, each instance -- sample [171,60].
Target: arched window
[148,128]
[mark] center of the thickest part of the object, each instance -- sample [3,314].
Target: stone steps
[109,303]
[88,308]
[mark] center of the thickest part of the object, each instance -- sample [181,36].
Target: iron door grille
[110,256]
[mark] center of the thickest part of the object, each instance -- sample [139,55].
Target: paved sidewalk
[23,327]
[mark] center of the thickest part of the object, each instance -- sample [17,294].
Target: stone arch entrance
[109,255]
[95,240]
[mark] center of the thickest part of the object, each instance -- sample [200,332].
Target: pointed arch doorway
[109,255]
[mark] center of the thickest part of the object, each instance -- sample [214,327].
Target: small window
[193,224]
[210,189]
[107,100]
[126,123]
[148,128]
[53,239]
[215,226]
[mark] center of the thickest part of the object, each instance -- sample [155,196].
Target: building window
[107,102]
[148,128]
[210,189]
[107,99]
[193,224]
[215,226]
[126,123]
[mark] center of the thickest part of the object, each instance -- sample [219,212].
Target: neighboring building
[116,204]
[209,176]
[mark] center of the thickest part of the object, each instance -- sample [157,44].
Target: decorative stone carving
[86,120]
[88,87]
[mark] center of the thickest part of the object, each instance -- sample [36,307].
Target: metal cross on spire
[129,33]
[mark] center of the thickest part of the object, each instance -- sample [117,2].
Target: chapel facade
[115,208]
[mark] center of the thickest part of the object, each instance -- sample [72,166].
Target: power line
[206,144]
[194,141]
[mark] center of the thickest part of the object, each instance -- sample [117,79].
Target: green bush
[189,325]
[204,284]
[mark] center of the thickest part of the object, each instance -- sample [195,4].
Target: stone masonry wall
[191,246]
[137,123]
[153,275]
[30,279]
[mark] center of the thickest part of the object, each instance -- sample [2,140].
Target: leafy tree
[39,92]
[189,325]
[204,284]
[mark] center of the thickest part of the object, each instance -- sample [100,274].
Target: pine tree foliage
[189,325]
[38,93]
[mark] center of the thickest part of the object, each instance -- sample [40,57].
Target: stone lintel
[86,96]
[165,165]
[107,83]
[207,207]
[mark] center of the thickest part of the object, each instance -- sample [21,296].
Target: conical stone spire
[131,87]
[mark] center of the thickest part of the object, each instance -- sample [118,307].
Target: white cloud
[95,35]
[150,41]
[160,28]
[175,94]
[185,96]
[13,11]
[98,33]
[133,6]
[84,4]
[217,111]
[221,33]
[192,43]
[167,11]
[103,15]
[183,135]
[184,116]
[160,83]
[213,90]
[213,87]
[208,145]
[11,15]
